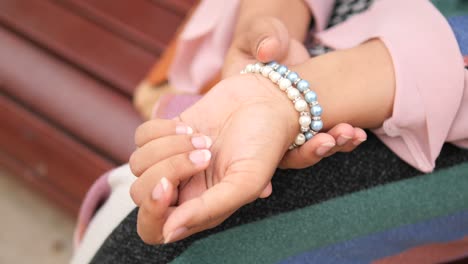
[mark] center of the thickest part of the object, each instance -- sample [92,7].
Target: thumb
[267,191]
[267,39]
[216,204]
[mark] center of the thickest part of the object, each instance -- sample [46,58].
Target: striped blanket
[360,207]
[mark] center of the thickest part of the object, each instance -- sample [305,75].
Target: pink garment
[171,105]
[95,197]
[431,100]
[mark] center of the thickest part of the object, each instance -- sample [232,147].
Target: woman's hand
[251,124]
[267,39]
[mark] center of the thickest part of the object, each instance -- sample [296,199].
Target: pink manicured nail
[201,142]
[183,130]
[159,190]
[175,234]
[261,44]
[324,148]
[359,141]
[200,156]
[342,139]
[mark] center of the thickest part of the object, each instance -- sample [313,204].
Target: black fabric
[342,11]
[369,165]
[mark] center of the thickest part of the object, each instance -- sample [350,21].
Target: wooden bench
[68,69]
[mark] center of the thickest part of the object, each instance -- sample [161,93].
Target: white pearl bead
[249,68]
[300,139]
[257,68]
[300,105]
[284,84]
[293,93]
[274,76]
[305,121]
[266,71]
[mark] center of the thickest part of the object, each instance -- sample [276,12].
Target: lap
[370,165]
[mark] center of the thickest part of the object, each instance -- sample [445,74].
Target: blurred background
[68,71]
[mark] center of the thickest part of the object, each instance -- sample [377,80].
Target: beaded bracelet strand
[293,85]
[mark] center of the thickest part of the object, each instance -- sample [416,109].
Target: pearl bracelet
[290,83]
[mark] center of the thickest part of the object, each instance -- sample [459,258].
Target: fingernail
[324,148]
[359,141]
[159,190]
[342,139]
[175,234]
[200,156]
[261,44]
[183,130]
[201,142]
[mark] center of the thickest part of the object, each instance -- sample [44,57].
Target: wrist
[354,86]
[308,109]
[284,107]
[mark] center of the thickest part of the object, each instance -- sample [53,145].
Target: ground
[32,230]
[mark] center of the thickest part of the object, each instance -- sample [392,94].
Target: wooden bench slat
[49,159]
[85,108]
[181,7]
[148,25]
[79,41]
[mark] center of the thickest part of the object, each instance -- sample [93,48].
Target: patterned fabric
[343,10]
[367,193]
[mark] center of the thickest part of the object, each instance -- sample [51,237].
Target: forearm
[294,14]
[354,86]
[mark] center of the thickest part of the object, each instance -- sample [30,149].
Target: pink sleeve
[206,39]
[321,12]
[430,79]
[203,45]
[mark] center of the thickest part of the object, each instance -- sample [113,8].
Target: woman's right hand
[251,123]
[266,40]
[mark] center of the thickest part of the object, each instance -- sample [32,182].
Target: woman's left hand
[251,124]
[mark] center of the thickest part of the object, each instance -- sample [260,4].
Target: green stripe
[357,214]
[451,7]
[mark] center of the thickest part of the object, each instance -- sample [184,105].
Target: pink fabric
[205,40]
[170,106]
[203,44]
[423,113]
[431,102]
[321,12]
[96,196]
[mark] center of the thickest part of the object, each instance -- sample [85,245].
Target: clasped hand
[220,154]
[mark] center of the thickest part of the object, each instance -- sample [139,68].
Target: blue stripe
[459,26]
[390,242]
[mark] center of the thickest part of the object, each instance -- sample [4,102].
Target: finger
[176,169]
[310,153]
[267,191]
[153,212]
[183,232]
[157,128]
[164,147]
[267,39]
[297,53]
[343,134]
[233,191]
[359,137]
